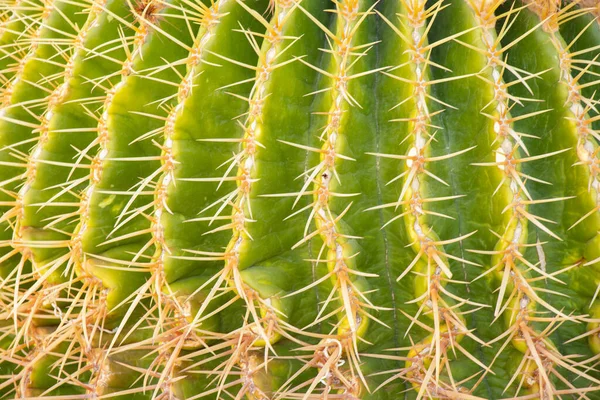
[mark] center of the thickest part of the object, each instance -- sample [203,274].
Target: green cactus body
[299,199]
[19,20]
[51,212]
[581,93]
[24,100]
[187,240]
[106,238]
[420,209]
[582,35]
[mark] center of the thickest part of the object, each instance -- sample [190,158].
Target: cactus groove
[299,199]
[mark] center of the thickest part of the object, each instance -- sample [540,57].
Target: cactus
[298,199]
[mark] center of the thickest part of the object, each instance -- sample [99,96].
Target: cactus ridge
[297,199]
[431,259]
[513,239]
[339,247]
[580,107]
[18,22]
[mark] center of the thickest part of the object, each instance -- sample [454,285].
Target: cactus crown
[298,199]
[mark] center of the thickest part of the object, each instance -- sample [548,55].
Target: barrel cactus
[299,199]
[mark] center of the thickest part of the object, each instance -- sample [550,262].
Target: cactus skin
[299,199]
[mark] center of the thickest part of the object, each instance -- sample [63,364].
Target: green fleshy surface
[72,131]
[20,111]
[208,113]
[22,18]
[267,262]
[584,34]
[135,95]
